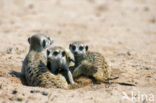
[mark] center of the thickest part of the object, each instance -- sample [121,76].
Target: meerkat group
[49,67]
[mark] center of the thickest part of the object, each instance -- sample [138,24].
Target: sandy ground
[124,31]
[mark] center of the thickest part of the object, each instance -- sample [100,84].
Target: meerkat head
[78,48]
[57,54]
[39,42]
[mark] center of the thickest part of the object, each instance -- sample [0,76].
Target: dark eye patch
[48,52]
[81,48]
[73,47]
[55,53]
[44,44]
[63,53]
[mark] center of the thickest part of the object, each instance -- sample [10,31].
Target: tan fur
[58,62]
[80,82]
[91,64]
[35,68]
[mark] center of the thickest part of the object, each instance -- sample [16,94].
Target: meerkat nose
[75,53]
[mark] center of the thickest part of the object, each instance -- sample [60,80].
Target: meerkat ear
[70,45]
[44,43]
[29,40]
[86,47]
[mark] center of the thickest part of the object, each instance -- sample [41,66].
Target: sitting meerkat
[90,64]
[35,69]
[58,62]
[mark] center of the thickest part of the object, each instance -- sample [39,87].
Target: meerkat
[35,68]
[58,62]
[91,64]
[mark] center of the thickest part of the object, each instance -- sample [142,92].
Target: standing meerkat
[58,62]
[91,64]
[35,68]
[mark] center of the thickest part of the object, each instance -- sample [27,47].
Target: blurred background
[107,26]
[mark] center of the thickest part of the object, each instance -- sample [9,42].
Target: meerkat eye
[73,47]
[63,53]
[55,53]
[81,48]
[44,43]
[48,52]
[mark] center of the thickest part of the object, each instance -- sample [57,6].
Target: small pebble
[149,76]
[9,50]
[44,93]
[128,53]
[34,91]
[147,68]
[14,92]
[11,99]
[19,99]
